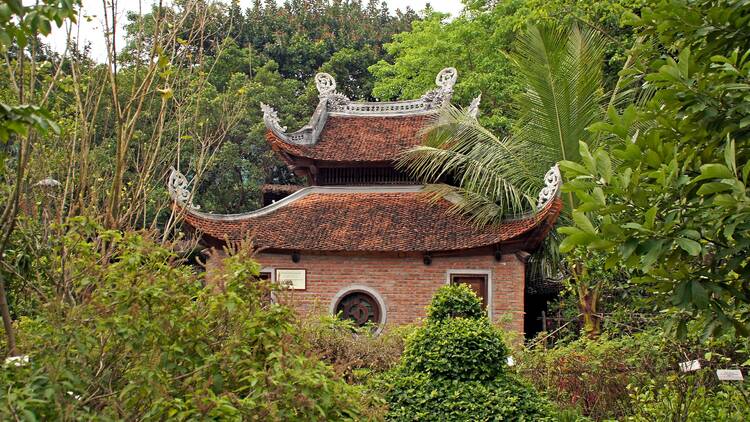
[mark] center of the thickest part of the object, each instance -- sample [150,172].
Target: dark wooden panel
[477,283]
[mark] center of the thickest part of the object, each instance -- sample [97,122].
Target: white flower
[75,396]
[511,361]
[20,360]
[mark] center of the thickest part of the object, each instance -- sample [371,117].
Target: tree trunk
[7,322]
[588,303]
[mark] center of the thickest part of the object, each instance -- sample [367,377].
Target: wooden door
[476,282]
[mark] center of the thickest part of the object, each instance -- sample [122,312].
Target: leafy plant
[593,375]
[689,397]
[563,94]
[453,360]
[457,349]
[140,337]
[421,397]
[667,198]
[355,353]
[456,300]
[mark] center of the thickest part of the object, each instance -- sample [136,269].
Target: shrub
[458,349]
[456,300]
[629,375]
[420,397]
[593,375]
[689,397]
[353,351]
[138,337]
[452,369]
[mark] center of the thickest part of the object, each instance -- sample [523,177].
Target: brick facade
[405,284]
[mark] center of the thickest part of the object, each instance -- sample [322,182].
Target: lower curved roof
[366,219]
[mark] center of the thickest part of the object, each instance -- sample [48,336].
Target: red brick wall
[405,284]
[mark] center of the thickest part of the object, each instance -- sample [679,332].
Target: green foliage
[19,119]
[355,353]
[458,349]
[689,398]
[140,337]
[19,23]
[559,71]
[593,375]
[420,397]
[455,300]
[667,197]
[451,362]
[624,374]
[476,43]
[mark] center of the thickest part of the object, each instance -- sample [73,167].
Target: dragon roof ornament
[179,191]
[473,109]
[325,84]
[336,103]
[271,118]
[551,189]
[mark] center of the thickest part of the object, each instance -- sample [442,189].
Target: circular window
[360,307]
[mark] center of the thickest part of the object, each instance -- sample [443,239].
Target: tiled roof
[359,138]
[374,221]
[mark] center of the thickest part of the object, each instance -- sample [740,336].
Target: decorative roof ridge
[337,104]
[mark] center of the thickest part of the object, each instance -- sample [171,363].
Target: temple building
[362,239]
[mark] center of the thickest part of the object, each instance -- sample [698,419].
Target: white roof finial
[178,189]
[325,83]
[473,109]
[447,78]
[551,189]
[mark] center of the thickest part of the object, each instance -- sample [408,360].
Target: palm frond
[562,73]
[458,149]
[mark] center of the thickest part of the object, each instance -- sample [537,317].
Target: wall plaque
[291,279]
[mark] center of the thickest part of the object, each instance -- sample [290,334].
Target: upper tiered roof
[357,139]
[342,130]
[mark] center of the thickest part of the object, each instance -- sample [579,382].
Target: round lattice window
[360,307]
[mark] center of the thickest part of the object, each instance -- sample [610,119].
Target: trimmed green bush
[456,300]
[457,348]
[420,397]
[453,369]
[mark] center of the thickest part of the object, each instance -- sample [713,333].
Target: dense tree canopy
[477,43]
[666,195]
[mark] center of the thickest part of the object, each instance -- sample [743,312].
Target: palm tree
[491,177]
[563,94]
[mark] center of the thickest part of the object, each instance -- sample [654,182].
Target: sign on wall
[291,279]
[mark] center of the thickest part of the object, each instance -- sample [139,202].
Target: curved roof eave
[369,219]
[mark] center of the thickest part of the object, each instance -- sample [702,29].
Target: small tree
[457,357]
[666,197]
